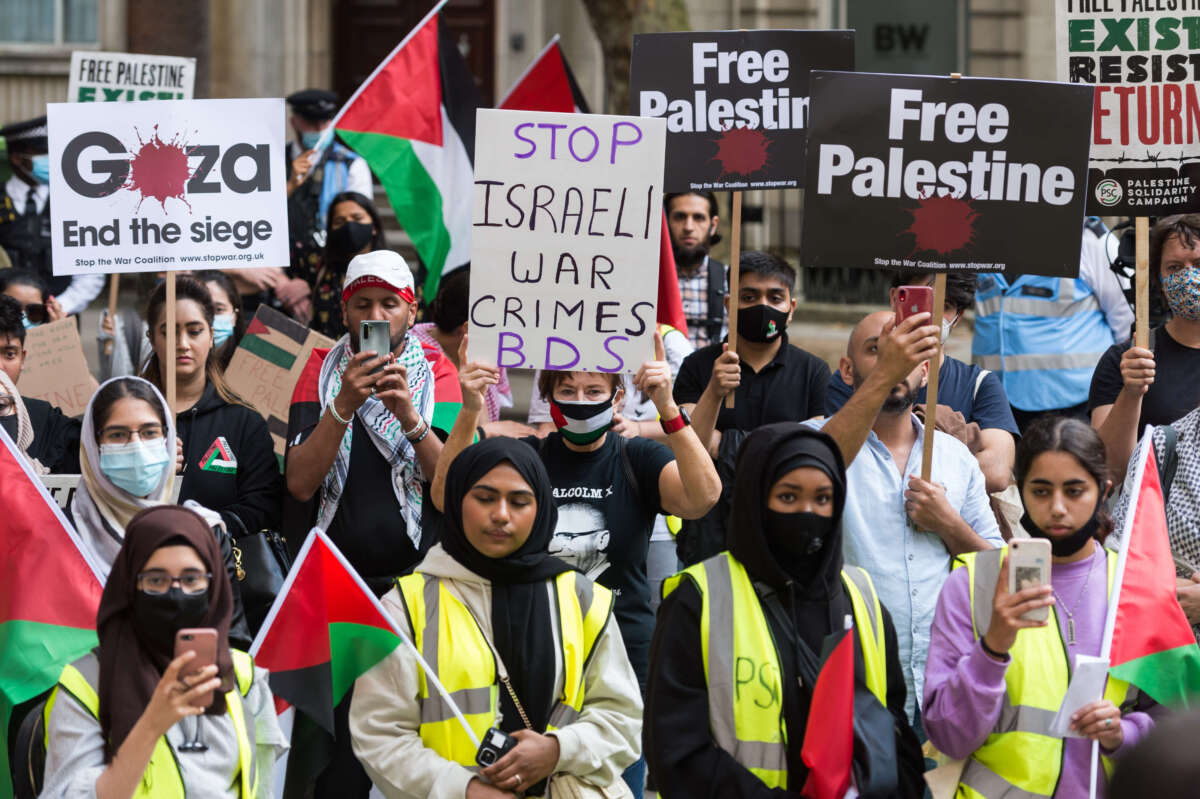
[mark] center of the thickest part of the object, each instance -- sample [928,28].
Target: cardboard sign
[55,368]
[1144,66]
[165,185]
[564,250]
[976,174]
[108,77]
[735,102]
[266,365]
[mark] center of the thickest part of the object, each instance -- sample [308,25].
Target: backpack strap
[716,300]
[627,468]
[1169,460]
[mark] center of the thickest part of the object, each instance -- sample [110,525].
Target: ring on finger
[517,780]
[1107,723]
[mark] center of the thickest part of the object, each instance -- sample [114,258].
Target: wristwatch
[681,421]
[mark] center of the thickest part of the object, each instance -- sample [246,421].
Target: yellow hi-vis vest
[741,663]
[1021,757]
[161,779]
[447,636]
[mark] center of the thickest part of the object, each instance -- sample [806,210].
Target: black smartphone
[495,745]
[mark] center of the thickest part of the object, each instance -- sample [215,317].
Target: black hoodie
[229,464]
[680,751]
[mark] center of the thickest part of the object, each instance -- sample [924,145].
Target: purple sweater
[964,686]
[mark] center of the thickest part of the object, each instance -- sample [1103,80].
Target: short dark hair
[1184,226]
[449,307]
[24,277]
[548,380]
[10,319]
[960,286]
[758,262]
[713,209]
[1076,438]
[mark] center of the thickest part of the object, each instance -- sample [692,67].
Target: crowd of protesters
[638,582]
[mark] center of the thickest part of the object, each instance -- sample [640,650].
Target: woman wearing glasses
[129,458]
[130,718]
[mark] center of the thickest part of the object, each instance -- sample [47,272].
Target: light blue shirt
[907,565]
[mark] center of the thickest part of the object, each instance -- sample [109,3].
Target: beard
[900,400]
[689,257]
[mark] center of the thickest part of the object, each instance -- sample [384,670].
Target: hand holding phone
[913,300]
[202,641]
[1029,567]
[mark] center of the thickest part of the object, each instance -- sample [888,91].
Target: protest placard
[1142,60]
[55,368]
[735,102]
[977,174]
[113,77]
[165,185]
[566,221]
[266,365]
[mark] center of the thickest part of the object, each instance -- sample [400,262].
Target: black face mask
[1065,547]
[9,423]
[159,617]
[760,323]
[350,238]
[794,538]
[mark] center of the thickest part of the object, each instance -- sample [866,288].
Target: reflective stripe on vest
[1021,756]
[1042,336]
[162,778]
[451,642]
[738,651]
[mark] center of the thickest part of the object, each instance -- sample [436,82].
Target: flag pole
[735,255]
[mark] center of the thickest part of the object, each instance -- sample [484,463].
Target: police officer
[1044,335]
[316,176]
[25,215]
[767,606]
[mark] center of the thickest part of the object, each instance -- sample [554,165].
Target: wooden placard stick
[735,257]
[114,287]
[170,344]
[931,391]
[1142,282]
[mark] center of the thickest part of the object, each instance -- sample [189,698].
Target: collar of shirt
[18,191]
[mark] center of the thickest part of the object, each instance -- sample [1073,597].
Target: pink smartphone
[202,641]
[912,300]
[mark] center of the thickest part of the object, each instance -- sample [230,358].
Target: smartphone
[202,641]
[1029,566]
[375,334]
[912,300]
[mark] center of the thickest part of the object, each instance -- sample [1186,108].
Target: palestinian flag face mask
[582,422]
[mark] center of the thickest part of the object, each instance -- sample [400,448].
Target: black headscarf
[131,664]
[521,607]
[815,582]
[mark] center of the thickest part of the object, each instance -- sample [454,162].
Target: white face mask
[948,326]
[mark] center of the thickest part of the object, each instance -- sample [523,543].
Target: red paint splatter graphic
[159,169]
[942,224]
[741,151]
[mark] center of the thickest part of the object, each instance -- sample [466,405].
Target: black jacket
[55,437]
[246,494]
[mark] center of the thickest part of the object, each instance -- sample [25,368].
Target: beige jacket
[385,715]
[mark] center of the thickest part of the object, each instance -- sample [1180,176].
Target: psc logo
[1109,192]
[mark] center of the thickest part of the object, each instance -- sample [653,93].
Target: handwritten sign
[564,248]
[55,368]
[116,77]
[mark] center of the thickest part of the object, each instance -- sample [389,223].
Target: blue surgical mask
[136,467]
[25,321]
[309,139]
[222,328]
[41,168]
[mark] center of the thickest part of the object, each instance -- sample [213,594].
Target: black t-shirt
[791,388]
[1176,389]
[981,401]
[604,523]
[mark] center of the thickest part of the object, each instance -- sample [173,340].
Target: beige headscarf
[24,428]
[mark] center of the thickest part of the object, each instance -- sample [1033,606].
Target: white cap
[383,268]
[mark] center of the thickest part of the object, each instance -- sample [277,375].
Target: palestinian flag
[413,120]
[828,748]
[546,85]
[1152,645]
[325,629]
[670,303]
[219,458]
[49,593]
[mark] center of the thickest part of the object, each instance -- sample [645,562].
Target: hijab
[102,510]
[23,428]
[131,664]
[521,606]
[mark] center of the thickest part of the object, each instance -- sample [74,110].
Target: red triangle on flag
[257,328]
[670,303]
[544,86]
[828,748]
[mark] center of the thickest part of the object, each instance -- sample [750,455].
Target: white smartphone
[1029,566]
[375,335]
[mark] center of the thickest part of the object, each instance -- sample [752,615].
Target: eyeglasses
[36,313]
[7,403]
[158,581]
[123,435]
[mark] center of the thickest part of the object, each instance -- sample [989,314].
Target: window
[48,21]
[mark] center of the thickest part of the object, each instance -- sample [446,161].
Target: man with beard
[903,530]
[692,221]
